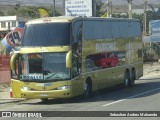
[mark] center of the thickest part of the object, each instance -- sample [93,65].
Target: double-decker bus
[63,57]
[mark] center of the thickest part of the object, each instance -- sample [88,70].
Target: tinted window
[115,29]
[123,29]
[107,29]
[130,29]
[47,34]
[93,30]
[137,29]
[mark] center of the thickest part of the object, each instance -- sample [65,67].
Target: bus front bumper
[47,94]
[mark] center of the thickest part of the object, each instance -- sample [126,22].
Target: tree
[99,5]
[30,11]
[1,13]
[151,15]
[11,13]
[50,11]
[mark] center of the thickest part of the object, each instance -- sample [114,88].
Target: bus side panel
[77,86]
[139,72]
[120,74]
[16,92]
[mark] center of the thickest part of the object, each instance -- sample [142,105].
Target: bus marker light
[11,95]
[25,88]
[64,87]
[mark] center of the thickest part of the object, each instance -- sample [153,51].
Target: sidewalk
[150,67]
[5,94]
[5,88]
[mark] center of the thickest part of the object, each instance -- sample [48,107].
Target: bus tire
[44,100]
[127,81]
[133,78]
[88,88]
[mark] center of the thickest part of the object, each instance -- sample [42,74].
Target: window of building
[3,24]
[13,24]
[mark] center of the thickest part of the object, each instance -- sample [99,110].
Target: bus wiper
[49,76]
[56,76]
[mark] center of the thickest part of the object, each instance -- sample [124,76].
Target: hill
[60,2]
[134,2]
[117,5]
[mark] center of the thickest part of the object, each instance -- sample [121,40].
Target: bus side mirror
[12,62]
[69,60]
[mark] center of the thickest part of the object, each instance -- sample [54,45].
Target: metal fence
[151,52]
[4,62]
[5,69]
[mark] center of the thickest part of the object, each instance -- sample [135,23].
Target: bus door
[76,46]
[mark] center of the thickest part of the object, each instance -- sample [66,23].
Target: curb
[3,101]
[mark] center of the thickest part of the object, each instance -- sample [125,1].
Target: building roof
[12,18]
[71,18]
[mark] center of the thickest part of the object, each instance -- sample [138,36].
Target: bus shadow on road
[139,90]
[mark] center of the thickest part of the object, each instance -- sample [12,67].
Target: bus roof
[51,19]
[70,19]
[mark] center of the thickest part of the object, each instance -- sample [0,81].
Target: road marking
[130,97]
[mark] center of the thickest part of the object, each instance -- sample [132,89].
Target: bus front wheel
[44,100]
[87,88]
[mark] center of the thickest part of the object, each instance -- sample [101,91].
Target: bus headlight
[64,87]
[25,88]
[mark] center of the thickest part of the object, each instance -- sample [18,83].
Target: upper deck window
[47,34]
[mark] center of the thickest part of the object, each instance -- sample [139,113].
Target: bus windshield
[44,67]
[46,34]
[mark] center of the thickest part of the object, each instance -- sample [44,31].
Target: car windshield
[44,67]
[46,34]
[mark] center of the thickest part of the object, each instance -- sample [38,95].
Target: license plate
[43,94]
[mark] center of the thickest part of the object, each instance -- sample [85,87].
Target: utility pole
[94,3]
[54,11]
[64,7]
[108,8]
[145,18]
[111,9]
[130,8]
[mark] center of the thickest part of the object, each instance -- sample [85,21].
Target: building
[8,23]
[141,11]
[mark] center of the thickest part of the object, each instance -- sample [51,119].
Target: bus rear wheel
[127,81]
[133,78]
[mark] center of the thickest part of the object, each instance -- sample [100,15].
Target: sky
[59,2]
[32,2]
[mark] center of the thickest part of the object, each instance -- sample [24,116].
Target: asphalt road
[144,96]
